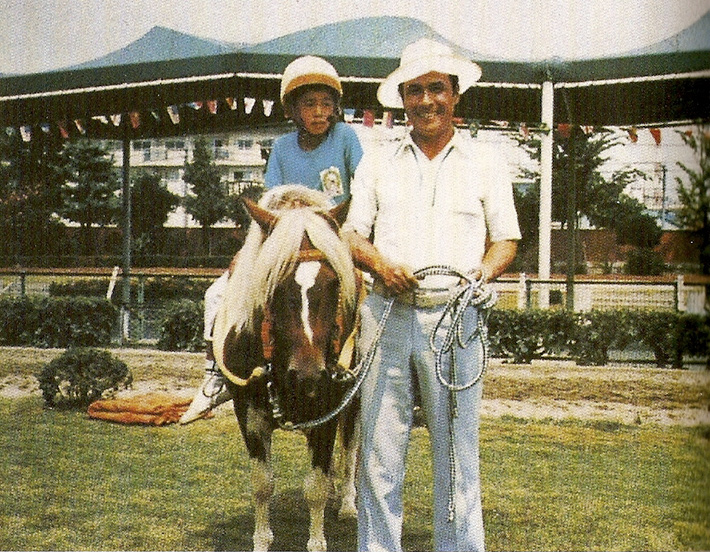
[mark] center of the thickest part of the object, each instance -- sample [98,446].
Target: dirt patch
[541,390]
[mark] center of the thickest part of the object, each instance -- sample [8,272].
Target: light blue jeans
[387,412]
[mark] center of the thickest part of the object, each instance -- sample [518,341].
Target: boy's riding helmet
[309,70]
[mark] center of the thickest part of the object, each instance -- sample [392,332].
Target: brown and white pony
[289,306]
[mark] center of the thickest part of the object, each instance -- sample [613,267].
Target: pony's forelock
[264,262]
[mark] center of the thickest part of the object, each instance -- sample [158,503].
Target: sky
[38,35]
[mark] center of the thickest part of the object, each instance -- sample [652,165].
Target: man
[433,198]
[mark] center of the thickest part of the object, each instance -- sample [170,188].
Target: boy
[322,154]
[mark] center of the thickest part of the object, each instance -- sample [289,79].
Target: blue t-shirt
[329,168]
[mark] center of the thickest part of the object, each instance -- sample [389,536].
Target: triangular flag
[349,115]
[63,129]
[249,105]
[174,114]
[524,131]
[231,103]
[155,115]
[564,129]
[656,133]
[368,118]
[80,126]
[387,119]
[10,131]
[135,119]
[633,134]
[268,105]
[116,119]
[195,105]
[473,128]
[26,132]
[45,127]
[212,106]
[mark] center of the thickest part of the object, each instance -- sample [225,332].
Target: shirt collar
[456,143]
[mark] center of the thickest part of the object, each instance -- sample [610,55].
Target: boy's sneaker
[212,393]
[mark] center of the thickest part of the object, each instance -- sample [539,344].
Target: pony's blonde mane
[264,262]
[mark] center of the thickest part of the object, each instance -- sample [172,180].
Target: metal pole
[545,225]
[571,220]
[126,297]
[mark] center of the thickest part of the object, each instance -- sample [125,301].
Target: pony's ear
[340,212]
[265,219]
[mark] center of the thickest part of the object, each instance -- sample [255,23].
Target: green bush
[85,287]
[596,332]
[19,320]
[80,376]
[173,288]
[694,336]
[658,330]
[527,335]
[56,321]
[182,326]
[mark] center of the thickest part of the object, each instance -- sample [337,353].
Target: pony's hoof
[316,545]
[348,510]
[263,541]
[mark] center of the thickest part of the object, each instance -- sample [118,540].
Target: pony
[289,308]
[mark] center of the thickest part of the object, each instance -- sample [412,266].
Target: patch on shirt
[331,182]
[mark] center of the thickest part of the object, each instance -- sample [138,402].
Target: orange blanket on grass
[151,409]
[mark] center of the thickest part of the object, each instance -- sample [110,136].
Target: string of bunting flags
[366,117]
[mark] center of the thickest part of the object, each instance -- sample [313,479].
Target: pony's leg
[350,442]
[318,484]
[316,489]
[262,481]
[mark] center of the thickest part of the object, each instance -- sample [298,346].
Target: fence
[141,319]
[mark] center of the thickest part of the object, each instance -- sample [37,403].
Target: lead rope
[476,294]
[359,373]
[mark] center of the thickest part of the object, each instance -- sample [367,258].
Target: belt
[421,297]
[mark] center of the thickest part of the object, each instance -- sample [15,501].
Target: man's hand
[397,279]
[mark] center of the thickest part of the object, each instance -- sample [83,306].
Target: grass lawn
[73,483]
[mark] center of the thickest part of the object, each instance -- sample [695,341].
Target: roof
[667,82]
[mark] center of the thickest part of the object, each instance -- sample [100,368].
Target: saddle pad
[155,409]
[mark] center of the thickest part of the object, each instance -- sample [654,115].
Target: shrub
[75,321]
[56,321]
[80,376]
[596,331]
[19,319]
[182,326]
[89,287]
[658,330]
[693,336]
[529,334]
[644,261]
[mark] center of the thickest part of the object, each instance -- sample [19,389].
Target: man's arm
[396,278]
[497,259]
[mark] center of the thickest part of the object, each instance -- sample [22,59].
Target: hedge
[588,337]
[519,336]
[56,322]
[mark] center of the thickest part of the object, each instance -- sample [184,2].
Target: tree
[235,208]
[90,193]
[151,203]
[30,194]
[579,157]
[208,201]
[694,195]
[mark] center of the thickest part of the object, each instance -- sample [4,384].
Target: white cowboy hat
[309,70]
[422,57]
